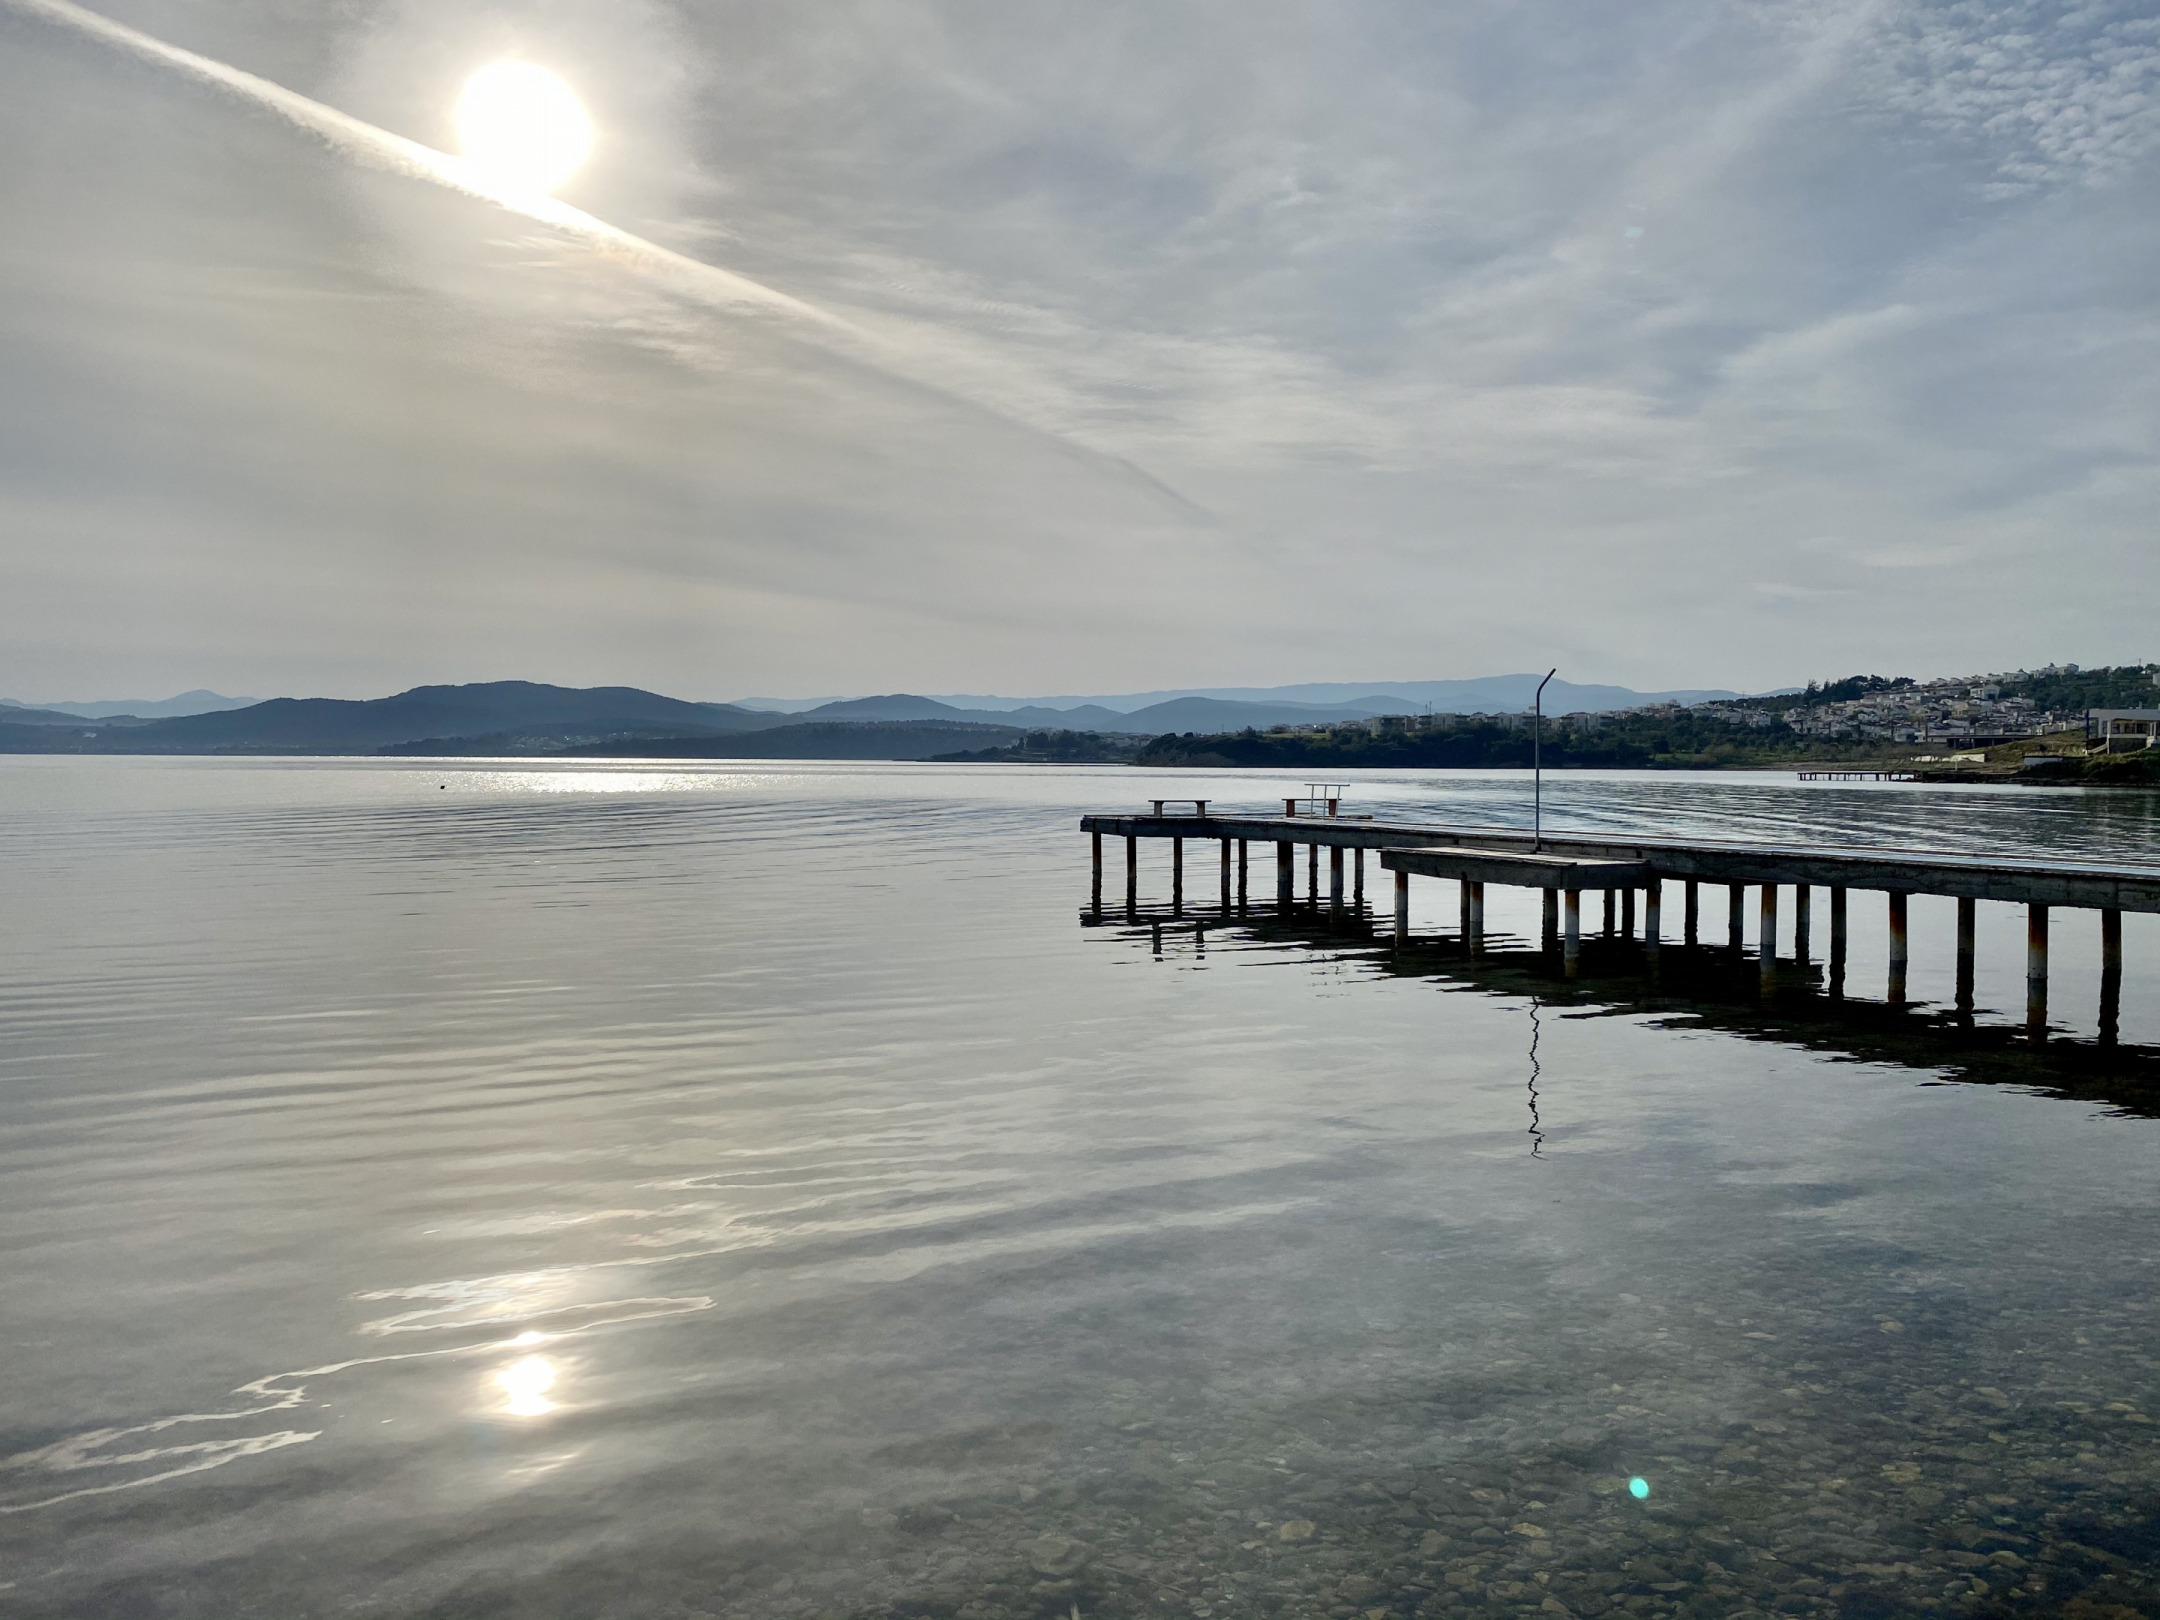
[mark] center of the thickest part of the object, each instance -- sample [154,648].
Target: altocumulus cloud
[1470,333]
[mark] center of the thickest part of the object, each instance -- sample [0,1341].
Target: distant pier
[1631,875]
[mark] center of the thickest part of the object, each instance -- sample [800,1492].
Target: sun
[522,127]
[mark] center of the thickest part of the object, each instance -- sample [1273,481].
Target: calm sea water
[466,1191]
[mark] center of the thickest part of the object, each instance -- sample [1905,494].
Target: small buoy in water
[1638,1487]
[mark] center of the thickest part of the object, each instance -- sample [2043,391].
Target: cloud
[2049,93]
[1781,591]
[1914,557]
[1202,342]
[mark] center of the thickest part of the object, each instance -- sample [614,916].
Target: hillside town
[2095,724]
[1951,712]
[1958,712]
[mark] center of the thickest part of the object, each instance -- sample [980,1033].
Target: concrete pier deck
[1623,866]
[2099,886]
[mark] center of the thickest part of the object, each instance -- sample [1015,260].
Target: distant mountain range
[526,718]
[1176,714]
[1489,694]
[195,702]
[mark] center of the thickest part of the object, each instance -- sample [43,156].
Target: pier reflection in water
[1707,987]
[1924,1470]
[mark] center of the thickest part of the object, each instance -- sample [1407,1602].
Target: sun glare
[524,1386]
[522,127]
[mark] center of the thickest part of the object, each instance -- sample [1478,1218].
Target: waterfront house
[2121,731]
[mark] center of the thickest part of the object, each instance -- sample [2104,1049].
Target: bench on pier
[1199,806]
[1321,799]
[1526,871]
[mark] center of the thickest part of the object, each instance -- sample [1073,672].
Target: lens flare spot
[521,127]
[524,1386]
[1638,1487]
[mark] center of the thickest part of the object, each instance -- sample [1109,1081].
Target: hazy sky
[1672,342]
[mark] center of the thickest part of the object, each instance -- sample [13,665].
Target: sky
[896,346]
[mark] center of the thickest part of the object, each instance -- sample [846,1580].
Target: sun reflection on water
[524,1386]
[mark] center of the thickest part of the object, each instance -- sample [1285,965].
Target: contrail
[690,278]
[357,138]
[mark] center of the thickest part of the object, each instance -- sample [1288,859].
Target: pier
[1630,874]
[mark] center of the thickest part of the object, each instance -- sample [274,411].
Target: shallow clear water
[626,1191]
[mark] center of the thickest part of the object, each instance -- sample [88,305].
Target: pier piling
[1571,934]
[1334,882]
[1802,916]
[1549,930]
[1177,877]
[2110,975]
[1837,940]
[1285,875]
[1736,917]
[1691,921]
[1132,874]
[1899,953]
[1402,907]
[1768,926]
[1611,903]
[1096,903]
[1653,907]
[1474,917]
[1967,927]
[1241,901]
[1312,875]
[1357,891]
[2036,971]
[1226,877]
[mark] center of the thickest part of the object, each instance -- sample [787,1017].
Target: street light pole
[1537,766]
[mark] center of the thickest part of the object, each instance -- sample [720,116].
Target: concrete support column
[1627,914]
[1691,923]
[1357,892]
[1967,928]
[1402,907]
[1177,877]
[1285,874]
[1837,941]
[1803,910]
[1226,877]
[2110,976]
[1571,934]
[1096,903]
[1898,950]
[1736,916]
[2036,965]
[1611,904]
[1334,881]
[1474,928]
[1768,948]
[1549,932]
[1462,913]
[1132,873]
[1653,910]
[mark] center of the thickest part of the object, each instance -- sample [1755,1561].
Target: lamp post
[1537,766]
